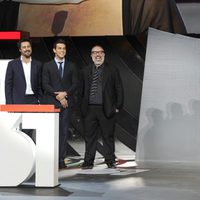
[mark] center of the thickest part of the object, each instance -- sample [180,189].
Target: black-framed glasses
[97,52]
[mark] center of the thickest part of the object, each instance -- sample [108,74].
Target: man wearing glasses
[101,96]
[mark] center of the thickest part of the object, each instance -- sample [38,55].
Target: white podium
[20,156]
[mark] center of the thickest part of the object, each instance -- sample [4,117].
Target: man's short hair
[58,41]
[23,40]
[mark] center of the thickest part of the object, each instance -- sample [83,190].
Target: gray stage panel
[169,124]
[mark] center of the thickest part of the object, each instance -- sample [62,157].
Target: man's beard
[27,55]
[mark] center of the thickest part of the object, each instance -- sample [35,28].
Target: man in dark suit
[101,96]
[59,84]
[23,77]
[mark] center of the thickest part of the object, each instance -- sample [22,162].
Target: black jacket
[52,82]
[113,95]
[15,83]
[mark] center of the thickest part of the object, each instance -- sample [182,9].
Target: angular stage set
[168,137]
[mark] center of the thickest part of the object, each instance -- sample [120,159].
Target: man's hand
[60,95]
[64,103]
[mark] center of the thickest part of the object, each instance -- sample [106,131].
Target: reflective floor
[128,181]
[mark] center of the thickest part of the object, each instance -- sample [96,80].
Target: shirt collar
[56,60]
[99,67]
[22,59]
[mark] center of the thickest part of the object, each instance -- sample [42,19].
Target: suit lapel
[66,68]
[105,76]
[33,71]
[55,69]
[20,68]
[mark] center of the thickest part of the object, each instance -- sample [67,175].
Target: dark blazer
[15,83]
[113,95]
[52,82]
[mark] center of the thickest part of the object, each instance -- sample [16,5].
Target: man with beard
[101,96]
[23,77]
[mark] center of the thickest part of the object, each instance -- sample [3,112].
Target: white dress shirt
[63,64]
[27,73]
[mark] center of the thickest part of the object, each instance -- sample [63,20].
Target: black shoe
[62,164]
[111,165]
[86,165]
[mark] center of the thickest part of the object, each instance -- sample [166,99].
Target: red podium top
[28,108]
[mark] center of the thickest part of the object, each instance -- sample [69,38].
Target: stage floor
[126,182]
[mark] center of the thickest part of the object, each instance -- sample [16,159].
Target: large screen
[99,17]
[91,17]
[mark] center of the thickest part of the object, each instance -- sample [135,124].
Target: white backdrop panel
[169,124]
[3,67]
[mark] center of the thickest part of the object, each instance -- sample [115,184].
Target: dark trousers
[64,119]
[31,99]
[94,119]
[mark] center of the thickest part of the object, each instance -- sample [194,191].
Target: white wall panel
[3,67]
[169,124]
